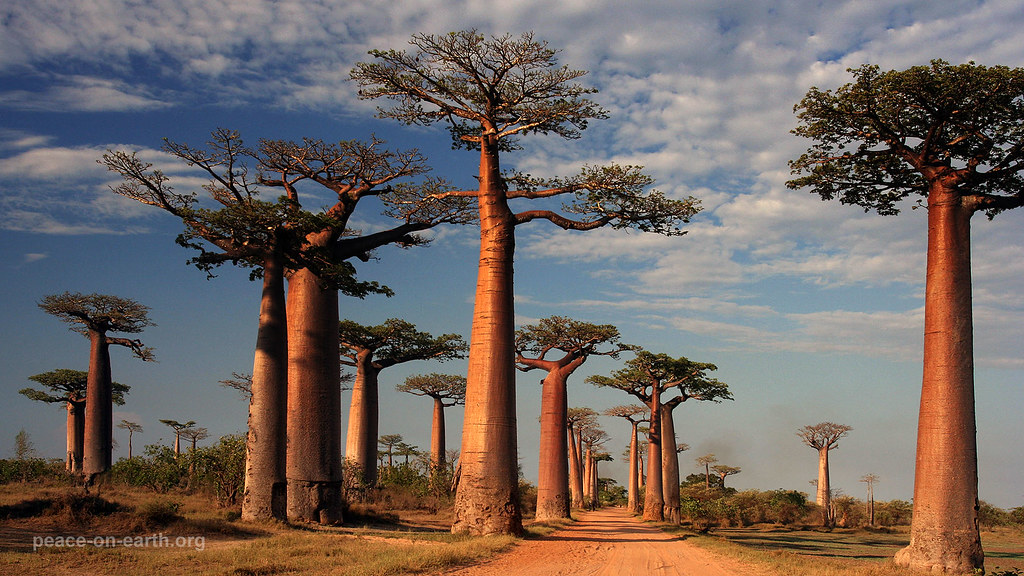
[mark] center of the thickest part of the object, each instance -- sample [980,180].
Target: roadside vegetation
[192,501]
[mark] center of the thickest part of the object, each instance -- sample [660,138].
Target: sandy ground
[609,542]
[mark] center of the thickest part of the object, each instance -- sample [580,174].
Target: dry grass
[190,536]
[845,552]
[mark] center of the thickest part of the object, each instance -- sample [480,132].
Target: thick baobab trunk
[265,493]
[363,417]
[99,418]
[75,435]
[575,470]
[487,500]
[588,479]
[944,534]
[654,500]
[824,495]
[669,466]
[553,468]
[633,489]
[437,443]
[595,486]
[314,402]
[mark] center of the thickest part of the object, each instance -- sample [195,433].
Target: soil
[609,542]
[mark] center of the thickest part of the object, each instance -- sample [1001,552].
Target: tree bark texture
[944,534]
[265,493]
[487,500]
[363,422]
[314,402]
[575,471]
[633,487]
[669,466]
[654,500]
[824,487]
[99,418]
[75,435]
[553,467]
[588,479]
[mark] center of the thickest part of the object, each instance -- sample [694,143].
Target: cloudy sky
[812,311]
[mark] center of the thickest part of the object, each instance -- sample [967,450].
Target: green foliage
[893,512]
[886,135]
[218,470]
[990,516]
[32,469]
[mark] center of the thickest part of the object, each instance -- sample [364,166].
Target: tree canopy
[66,385]
[449,388]
[396,341]
[887,134]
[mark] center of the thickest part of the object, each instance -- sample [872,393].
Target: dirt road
[609,542]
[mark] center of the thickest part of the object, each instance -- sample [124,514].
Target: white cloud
[80,93]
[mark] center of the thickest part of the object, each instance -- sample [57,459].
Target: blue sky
[813,311]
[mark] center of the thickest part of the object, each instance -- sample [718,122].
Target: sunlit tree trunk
[265,493]
[363,418]
[487,500]
[595,486]
[314,401]
[633,489]
[824,487]
[654,500]
[669,465]
[588,479]
[75,435]
[99,418]
[575,476]
[553,469]
[944,532]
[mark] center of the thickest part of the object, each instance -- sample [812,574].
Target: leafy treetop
[68,385]
[889,135]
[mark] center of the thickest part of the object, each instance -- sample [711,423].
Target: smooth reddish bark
[265,493]
[487,499]
[669,464]
[363,426]
[654,499]
[437,438]
[314,468]
[944,531]
[99,418]
[633,486]
[575,469]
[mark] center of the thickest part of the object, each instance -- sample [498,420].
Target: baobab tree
[571,342]
[648,376]
[952,136]
[870,480]
[577,420]
[446,390]
[705,462]
[723,471]
[178,428]
[371,349]
[824,437]
[491,91]
[132,428]
[389,442]
[68,387]
[278,239]
[95,316]
[592,437]
[635,415]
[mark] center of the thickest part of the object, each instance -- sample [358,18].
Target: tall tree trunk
[99,419]
[824,487]
[177,443]
[76,435]
[633,490]
[575,475]
[487,500]
[314,402]
[265,493]
[363,419]
[553,468]
[437,444]
[588,479]
[944,533]
[654,500]
[669,466]
[595,486]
